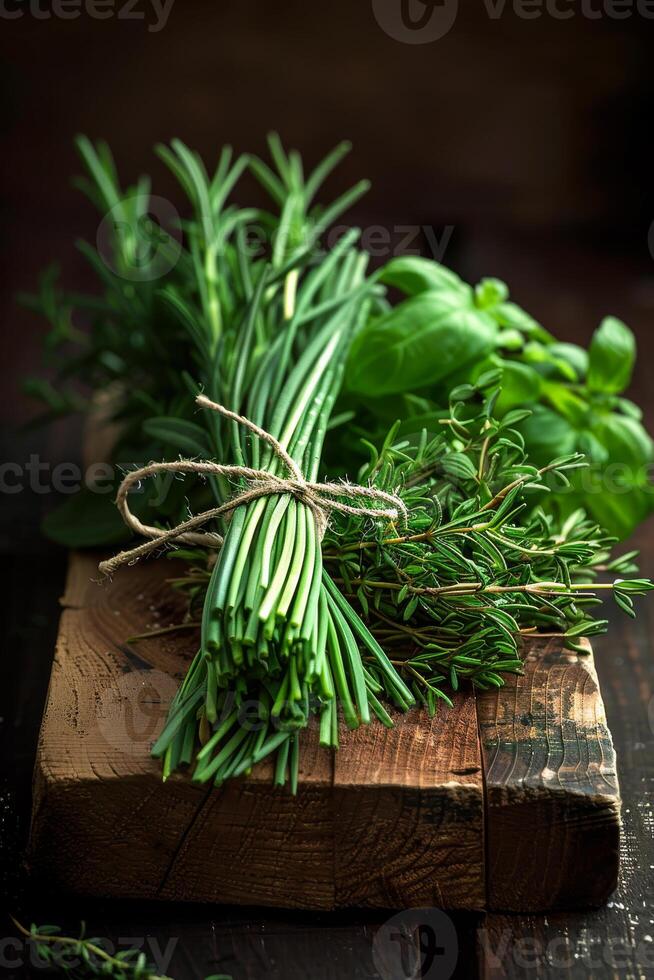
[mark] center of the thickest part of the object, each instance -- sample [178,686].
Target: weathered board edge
[551,786]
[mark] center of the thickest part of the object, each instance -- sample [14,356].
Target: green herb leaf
[489,293]
[612,355]
[521,385]
[509,314]
[424,339]
[413,274]
[182,435]
[86,520]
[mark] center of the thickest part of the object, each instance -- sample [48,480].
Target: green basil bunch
[444,332]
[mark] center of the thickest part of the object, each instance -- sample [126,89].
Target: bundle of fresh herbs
[311,608]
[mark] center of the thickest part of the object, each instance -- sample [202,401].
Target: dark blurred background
[524,143]
[520,139]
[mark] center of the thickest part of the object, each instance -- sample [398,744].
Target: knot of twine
[321,498]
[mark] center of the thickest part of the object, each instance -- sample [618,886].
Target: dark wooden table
[248,944]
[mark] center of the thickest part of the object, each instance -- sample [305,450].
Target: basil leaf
[547,435]
[616,489]
[509,314]
[592,447]
[575,356]
[627,407]
[627,442]
[88,520]
[511,340]
[185,436]
[620,513]
[537,353]
[413,274]
[612,355]
[572,406]
[421,341]
[490,293]
[520,385]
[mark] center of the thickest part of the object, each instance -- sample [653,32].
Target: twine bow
[321,498]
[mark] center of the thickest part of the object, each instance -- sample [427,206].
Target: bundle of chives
[276,633]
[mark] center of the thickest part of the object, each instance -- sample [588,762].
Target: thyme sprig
[456,594]
[453,597]
[82,956]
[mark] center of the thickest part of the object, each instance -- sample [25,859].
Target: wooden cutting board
[508,801]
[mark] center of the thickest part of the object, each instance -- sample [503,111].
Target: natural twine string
[321,498]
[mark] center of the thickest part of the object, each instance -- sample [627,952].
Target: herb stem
[74,943]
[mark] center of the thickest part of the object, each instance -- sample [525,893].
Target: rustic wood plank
[552,798]
[252,844]
[103,823]
[97,791]
[410,813]
[395,819]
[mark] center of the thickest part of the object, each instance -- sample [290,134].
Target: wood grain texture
[396,820]
[410,812]
[421,815]
[552,799]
